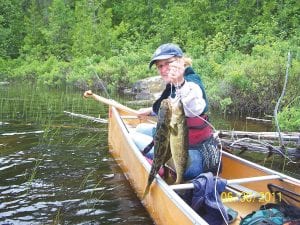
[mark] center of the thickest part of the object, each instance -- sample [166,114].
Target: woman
[175,69]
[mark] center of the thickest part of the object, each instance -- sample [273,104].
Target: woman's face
[166,67]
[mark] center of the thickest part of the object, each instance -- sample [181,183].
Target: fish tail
[179,178]
[148,148]
[179,174]
[150,179]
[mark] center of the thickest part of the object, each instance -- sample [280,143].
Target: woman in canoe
[175,69]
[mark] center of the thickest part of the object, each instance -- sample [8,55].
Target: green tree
[57,32]
[35,41]
[92,32]
[11,28]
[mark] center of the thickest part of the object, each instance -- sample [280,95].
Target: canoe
[163,203]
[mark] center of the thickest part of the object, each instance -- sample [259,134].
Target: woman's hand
[176,72]
[88,94]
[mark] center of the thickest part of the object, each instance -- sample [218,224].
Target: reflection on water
[55,169]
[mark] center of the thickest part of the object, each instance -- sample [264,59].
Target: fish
[179,141]
[162,151]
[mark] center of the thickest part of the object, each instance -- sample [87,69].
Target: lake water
[56,169]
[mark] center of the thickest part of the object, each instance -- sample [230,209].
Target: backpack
[270,216]
[285,211]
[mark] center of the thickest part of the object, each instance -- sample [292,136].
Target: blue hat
[165,51]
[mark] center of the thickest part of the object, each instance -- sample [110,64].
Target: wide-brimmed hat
[166,51]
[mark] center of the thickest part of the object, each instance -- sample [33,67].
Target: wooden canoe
[163,203]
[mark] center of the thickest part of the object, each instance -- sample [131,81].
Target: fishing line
[219,164]
[100,81]
[104,88]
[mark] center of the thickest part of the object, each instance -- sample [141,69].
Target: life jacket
[199,129]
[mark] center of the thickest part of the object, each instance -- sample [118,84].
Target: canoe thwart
[229,182]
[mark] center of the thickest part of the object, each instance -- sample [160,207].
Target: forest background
[239,47]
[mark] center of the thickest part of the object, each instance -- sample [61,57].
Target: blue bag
[270,216]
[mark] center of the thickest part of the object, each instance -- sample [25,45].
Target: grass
[33,173]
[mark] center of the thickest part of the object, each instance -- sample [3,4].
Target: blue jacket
[204,201]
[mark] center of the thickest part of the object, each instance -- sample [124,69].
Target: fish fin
[148,148]
[168,154]
[174,129]
[150,180]
[146,191]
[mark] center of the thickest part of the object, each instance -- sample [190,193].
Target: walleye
[162,152]
[179,139]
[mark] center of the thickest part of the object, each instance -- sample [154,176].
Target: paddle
[111,102]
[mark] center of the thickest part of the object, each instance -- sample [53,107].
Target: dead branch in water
[279,100]
[258,119]
[94,119]
[248,144]
[288,137]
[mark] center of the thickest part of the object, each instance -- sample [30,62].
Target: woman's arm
[192,98]
[145,111]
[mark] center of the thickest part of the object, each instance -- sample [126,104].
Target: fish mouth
[175,101]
